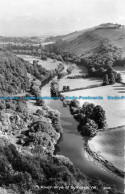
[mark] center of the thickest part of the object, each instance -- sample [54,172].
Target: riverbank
[109,145]
[100,161]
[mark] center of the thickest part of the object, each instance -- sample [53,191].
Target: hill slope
[14,73]
[87,42]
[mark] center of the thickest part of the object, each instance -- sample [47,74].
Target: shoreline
[101,162]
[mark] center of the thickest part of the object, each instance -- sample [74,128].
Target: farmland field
[115,109]
[49,64]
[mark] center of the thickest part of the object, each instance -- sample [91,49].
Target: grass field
[77,83]
[115,109]
[49,64]
[110,145]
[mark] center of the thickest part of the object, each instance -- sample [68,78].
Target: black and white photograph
[62,96]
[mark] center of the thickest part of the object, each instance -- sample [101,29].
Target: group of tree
[54,88]
[36,84]
[13,73]
[25,173]
[111,77]
[36,167]
[106,56]
[91,118]
[105,52]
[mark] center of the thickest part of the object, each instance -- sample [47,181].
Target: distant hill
[87,42]
[19,40]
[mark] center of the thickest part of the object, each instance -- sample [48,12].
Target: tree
[54,88]
[99,116]
[119,78]
[109,70]
[69,70]
[34,89]
[89,129]
[112,78]
[68,88]
[99,72]
[2,105]
[35,62]
[44,57]
[84,107]
[109,63]
[64,103]
[40,102]
[74,103]
[89,110]
[105,80]
[64,88]
[92,71]
[60,58]
[10,89]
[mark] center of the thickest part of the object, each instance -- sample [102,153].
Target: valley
[40,141]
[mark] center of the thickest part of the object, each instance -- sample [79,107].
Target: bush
[118,78]
[74,103]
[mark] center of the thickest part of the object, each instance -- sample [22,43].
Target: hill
[14,73]
[87,42]
[19,40]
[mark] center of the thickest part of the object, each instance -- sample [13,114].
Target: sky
[56,17]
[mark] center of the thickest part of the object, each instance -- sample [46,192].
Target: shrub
[118,78]
[74,103]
